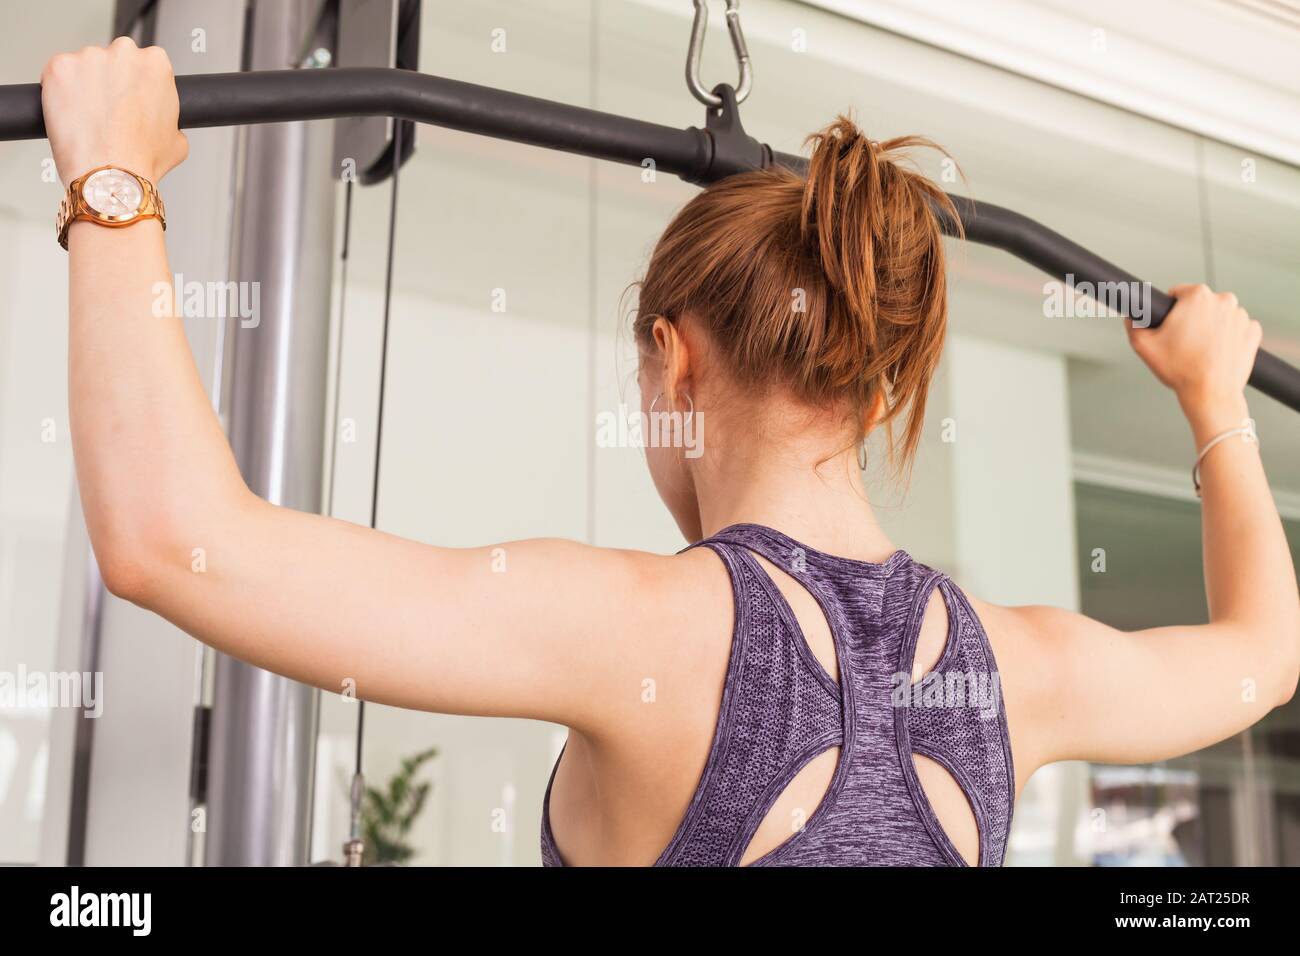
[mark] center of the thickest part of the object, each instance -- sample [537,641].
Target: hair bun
[831,285]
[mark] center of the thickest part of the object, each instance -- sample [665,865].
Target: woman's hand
[114,105]
[1204,350]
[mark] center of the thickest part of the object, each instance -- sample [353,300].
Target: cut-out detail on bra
[792,622]
[756,557]
[769,807]
[952,632]
[909,744]
[934,637]
[810,698]
[973,810]
[790,778]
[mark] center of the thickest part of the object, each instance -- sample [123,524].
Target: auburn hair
[831,286]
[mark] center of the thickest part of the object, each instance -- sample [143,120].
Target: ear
[675,352]
[876,412]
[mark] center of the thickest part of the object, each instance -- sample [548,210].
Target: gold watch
[109,196]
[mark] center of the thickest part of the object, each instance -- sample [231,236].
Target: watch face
[113,193]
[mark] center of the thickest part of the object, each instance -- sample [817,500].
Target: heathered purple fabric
[780,709]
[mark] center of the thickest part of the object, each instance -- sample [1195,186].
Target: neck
[822,505]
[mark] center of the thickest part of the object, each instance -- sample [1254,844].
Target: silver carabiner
[698,89]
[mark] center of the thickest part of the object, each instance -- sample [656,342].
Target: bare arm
[1088,691]
[537,629]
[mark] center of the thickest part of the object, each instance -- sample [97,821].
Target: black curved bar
[277,96]
[232,99]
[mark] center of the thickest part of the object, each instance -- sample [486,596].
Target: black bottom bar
[932,909]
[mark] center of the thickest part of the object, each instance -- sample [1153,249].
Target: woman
[744,701]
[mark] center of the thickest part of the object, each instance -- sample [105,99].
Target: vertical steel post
[263,731]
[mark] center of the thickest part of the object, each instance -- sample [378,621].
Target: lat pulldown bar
[698,156]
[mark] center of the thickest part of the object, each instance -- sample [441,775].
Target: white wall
[35,480]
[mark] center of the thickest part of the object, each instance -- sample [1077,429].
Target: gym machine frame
[697,155]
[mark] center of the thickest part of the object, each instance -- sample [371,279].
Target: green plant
[388,814]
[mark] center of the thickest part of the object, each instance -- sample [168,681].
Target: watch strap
[74,206]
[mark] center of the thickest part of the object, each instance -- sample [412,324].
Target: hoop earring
[690,411]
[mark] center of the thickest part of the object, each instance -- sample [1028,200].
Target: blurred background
[1154,137]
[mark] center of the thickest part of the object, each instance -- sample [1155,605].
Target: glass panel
[1252,239]
[490,322]
[1233,803]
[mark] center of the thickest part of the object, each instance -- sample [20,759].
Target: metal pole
[264,726]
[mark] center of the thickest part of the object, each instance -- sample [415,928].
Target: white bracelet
[1247,433]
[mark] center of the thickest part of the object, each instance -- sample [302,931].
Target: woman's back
[781,709]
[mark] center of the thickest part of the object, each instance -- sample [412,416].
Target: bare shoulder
[685,616]
[652,590]
[666,624]
[1025,632]
[1028,664]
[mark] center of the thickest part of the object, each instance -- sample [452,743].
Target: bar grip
[1068,261]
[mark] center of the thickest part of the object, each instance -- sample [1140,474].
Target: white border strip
[1134,72]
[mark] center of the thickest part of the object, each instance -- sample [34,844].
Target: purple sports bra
[780,709]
